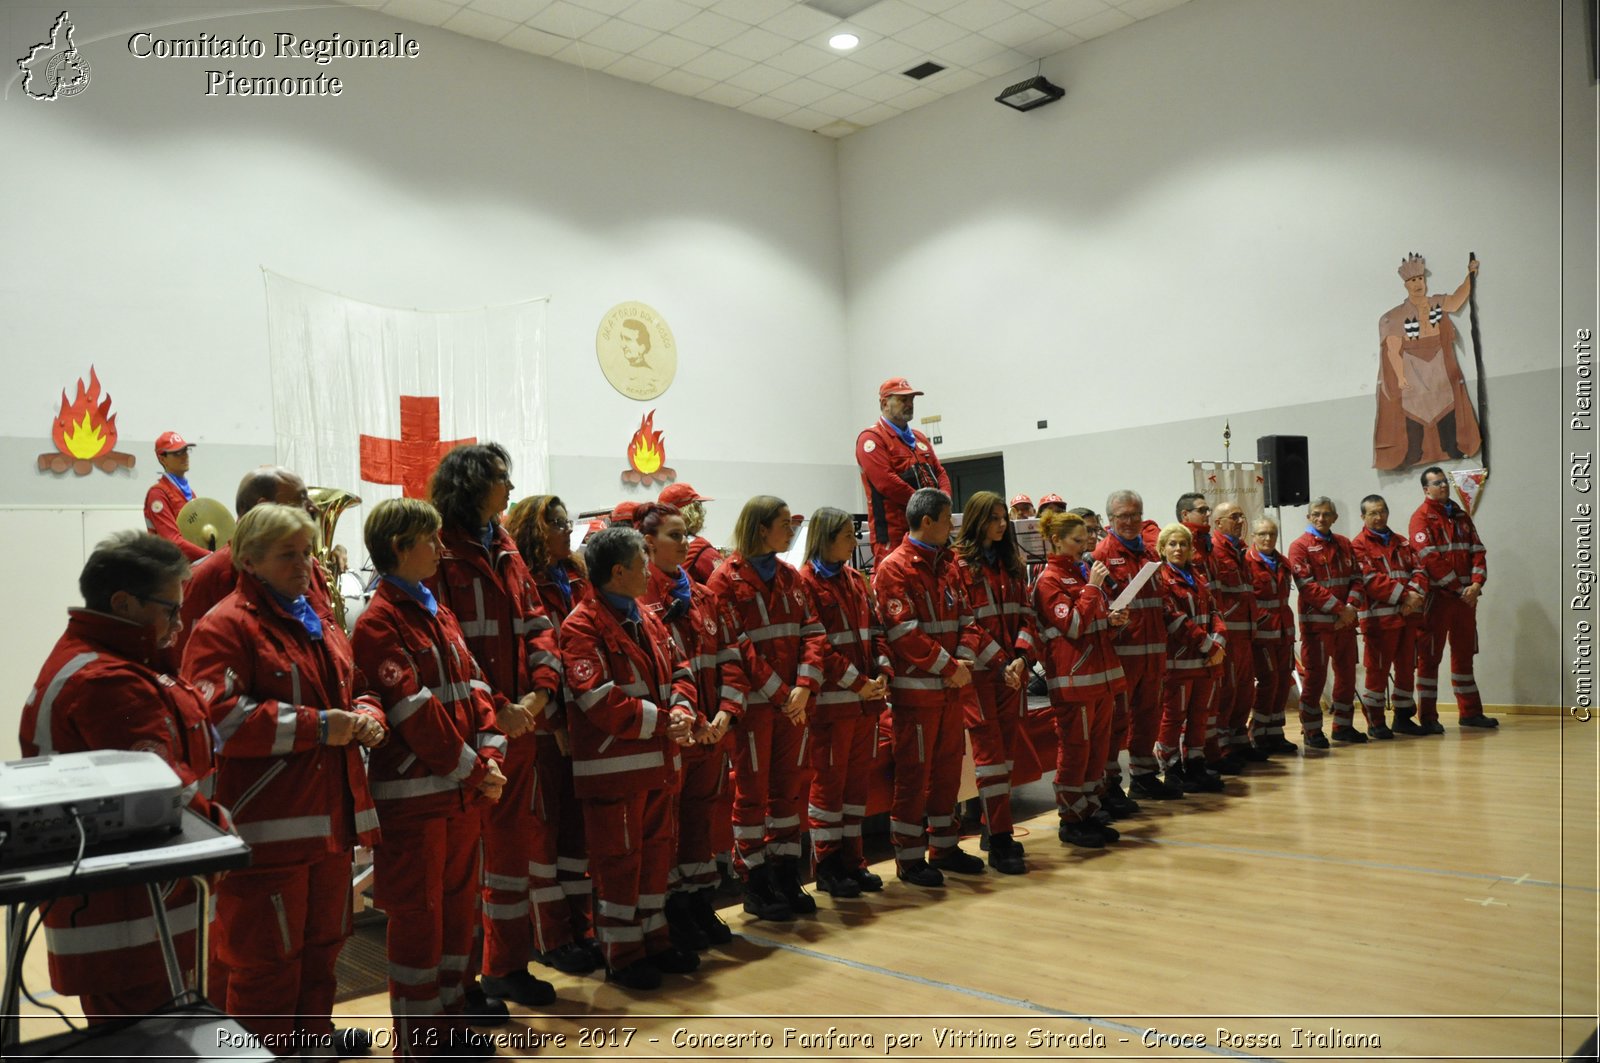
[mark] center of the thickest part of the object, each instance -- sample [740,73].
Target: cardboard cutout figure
[1424,414]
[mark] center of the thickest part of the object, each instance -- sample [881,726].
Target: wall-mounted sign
[85,434]
[636,351]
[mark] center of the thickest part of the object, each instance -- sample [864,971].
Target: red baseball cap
[1021,500]
[622,512]
[171,442]
[1053,500]
[897,385]
[681,495]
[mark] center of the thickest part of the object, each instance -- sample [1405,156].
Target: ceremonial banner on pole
[1239,482]
[368,398]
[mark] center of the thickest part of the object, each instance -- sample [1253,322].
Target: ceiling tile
[620,36]
[1100,25]
[753,12]
[888,55]
[806,119]
[567,20]
[801,23]
[930,33]
[802,59]
[889,17]
[1065,12]
[839,129]
[728,95]
[1018,30]
[933,7]
[663,15]
[715,64]
[952,80]
[427,12]
[1007,62]
[606,7]
[878,112]
[587,56]
[767,107]
[512,10]
[1050,44]
[477,24]
[710,29]
[536,41]
[684,84]
[976,15]
[759,78]
[883,87]
[802,92]
[843,104]
[1146,8]
[635,69]
[915,98]
[842,74]
[756,43]
[968,50]
[673,51]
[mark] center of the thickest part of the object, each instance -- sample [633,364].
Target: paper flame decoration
[85,428]
[647,451]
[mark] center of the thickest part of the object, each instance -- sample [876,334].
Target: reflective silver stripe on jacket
[284,830]
[401,789]
[41,729]
[124,934]
[612,765]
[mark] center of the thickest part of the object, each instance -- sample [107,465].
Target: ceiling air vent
[923,70]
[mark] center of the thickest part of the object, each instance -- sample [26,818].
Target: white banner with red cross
[369,398]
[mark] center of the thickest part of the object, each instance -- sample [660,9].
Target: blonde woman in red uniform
[1196,642]
[1075,620]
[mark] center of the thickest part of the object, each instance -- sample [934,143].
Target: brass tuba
[330,503]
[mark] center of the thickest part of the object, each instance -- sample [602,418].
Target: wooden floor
[1424,898]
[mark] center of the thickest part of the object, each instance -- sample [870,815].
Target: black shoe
[352,1042]
[1381,733]
[834,880]
[1118,803]
[1316,740]
[520,987]
[1252,754]
[1345,733]
[681,924]
[1232,764]
[1433,727]
[761,899]
[786,882]
[641,974]
[1488,723]
[480,1009]
[571,958]
[1198,779]
[1405,725]
[959,862]
[1108,833]
[921,874]
[675,961]
[1150,786]
[1178,779]
[869,882]
[1005,855]
[706,917]
[1281,744]
[1083,835]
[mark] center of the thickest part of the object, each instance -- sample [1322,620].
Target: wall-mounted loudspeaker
[1288,472]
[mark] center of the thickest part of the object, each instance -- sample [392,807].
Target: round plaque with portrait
[636,350]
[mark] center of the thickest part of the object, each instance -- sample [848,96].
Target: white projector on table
[117,794]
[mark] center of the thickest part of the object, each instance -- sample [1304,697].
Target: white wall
[1207,228]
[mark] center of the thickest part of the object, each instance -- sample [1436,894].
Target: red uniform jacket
[1145,633]
[929,623]
[781,641]
[706,638]
[622,693]
[213,579]
[1448,546]
[493,597]
[1274,618]
[1194,628]
[1232,587]
[703,559]
[1079,655]
[1204,541]
[857,650]
[890,473]
[1389,570]
[294,799]
[1002,610]
[162,504]
[441,713]
[1327,577]
[102,687]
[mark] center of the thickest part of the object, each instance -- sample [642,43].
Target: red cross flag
[369,398]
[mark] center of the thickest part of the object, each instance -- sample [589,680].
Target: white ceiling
[771,58]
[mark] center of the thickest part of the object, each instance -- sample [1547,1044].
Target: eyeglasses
[561,525]
[172,607]
[1202,509]
[1436,483]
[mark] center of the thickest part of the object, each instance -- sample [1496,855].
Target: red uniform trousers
[558,870]
[771,780]
[1083,733]
[282,929]
[1386,650]
[632,844]
[843,752]
[1448,617]
[425,877]
[1235,693]
[927,777]
[705,808]
[133,1000]
[512,834]
[1185,714]
[993,714]
[1274,671]
[1318,646]
[1137,719]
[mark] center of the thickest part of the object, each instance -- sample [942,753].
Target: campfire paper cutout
[85,434]
[647,456]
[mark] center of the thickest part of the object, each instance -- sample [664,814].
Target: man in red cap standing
[1021,507]
[163,501]
[1052,501]
[896,460]
[703,557]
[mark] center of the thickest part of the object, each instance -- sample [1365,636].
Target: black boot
[761,899]
[681,924]
[1005,855]
[834,879]
[786,882]
[706,917]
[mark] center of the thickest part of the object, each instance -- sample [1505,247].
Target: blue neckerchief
[301,610]
[825,570]
[1134,545]
[623,604]
[487,536]
[1382,536]
[1270,559]
[182,484]
[682,592]
[766,566]
[1188,577]
[907,436]
[563,582]
[1238,544]
[991,554]
[1450,507]
[420,594]
[1312,528]
[929,547]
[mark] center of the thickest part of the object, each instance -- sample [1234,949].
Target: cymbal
[206,523]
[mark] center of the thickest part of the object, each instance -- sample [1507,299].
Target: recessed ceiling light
[843,42]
